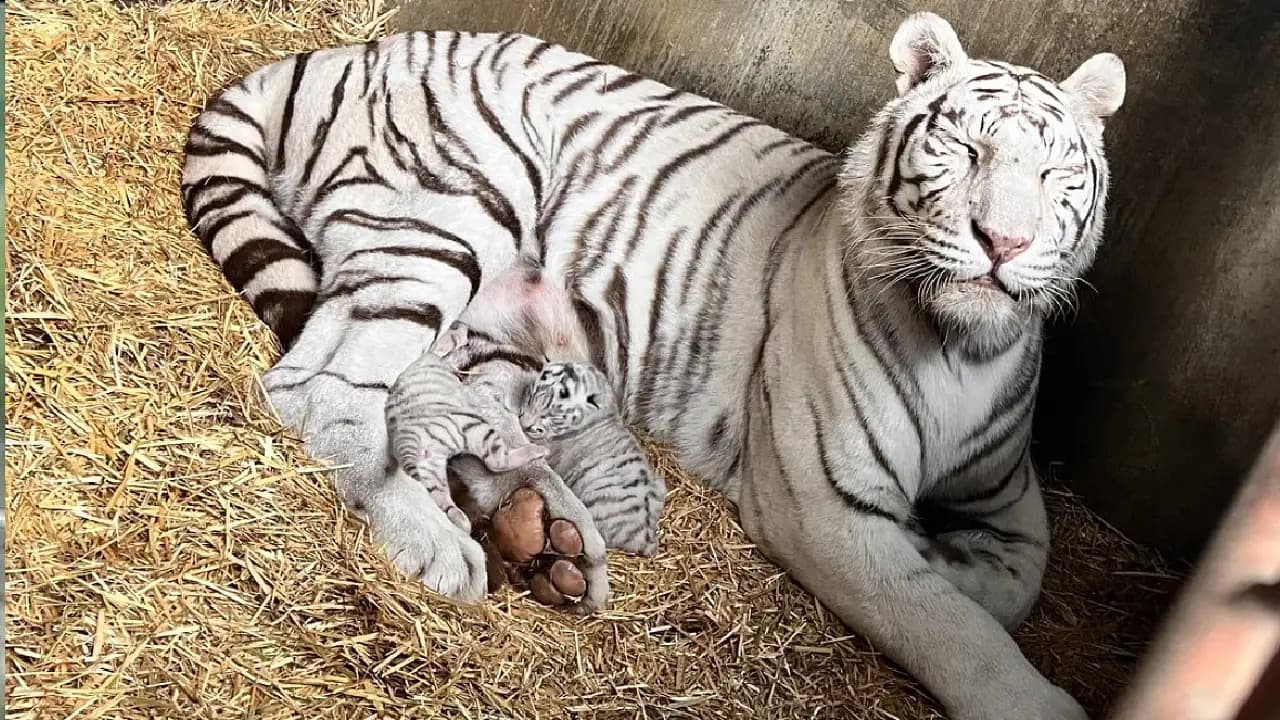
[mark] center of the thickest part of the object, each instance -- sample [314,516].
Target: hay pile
[171,553]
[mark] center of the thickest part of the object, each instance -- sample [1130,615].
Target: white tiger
[848,349]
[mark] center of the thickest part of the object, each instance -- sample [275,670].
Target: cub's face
[564,398]
[988,183]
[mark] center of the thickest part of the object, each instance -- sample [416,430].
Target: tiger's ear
[924,45]
[1099,85]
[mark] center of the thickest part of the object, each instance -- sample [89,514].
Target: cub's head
[564,398]
[982,185]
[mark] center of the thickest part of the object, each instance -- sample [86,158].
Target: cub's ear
[924,45]
[1099,85]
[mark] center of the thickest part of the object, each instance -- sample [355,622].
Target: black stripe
[708,322]
[330,374]
[255,254]
[521,360]
[288,227]
[587,236]
[486,114]
[505,41]
[451,57]
[804,170]
[772,264]
[556,74]
[685,113]
[196,215]
[843,363]
[996,489]
[590,322]
[292,307]
[1018,390]
[205,143]
[423,314]
[286,117]
[573,129]
[1016,424]
[642,133]
[938,519]
[209,234]
[787,484]
[692,349]
[889,368]
[370,221]
[212,182]
[643,404]
[669,95]
[615,296]
[665,173]
[850,500]
[622,82]
[321,137]
[572,88]
[777,144]
[536,53]
[344,289]
[895,180]
[465,264]
[223,106]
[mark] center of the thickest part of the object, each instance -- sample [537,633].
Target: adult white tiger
[851,359]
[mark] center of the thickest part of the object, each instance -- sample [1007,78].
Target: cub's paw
[547,554]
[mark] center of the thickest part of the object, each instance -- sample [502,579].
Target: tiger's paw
[547,554]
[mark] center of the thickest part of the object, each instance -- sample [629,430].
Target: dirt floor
[170,552]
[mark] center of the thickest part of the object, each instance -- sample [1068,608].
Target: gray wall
[1158,395]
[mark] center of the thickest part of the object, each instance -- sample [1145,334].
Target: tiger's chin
[979,316]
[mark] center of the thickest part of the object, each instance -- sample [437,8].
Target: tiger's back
[589,167]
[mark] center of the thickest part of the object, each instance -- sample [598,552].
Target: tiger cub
[570,407]
[433,416]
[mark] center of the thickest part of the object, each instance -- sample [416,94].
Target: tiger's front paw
[1039,700]
[425,545]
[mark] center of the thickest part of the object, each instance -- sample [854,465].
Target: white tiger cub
[432,417]
[520,318]
[572,410]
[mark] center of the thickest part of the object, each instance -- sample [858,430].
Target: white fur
[747,240]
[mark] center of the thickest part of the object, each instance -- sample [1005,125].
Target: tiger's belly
[674,310]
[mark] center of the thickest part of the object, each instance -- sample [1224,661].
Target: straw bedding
[171,552]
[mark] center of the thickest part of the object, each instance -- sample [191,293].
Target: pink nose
[1001,248]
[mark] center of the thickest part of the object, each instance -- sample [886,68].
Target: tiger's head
[564,398]
[982,185]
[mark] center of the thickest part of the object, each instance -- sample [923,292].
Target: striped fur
[433,417]
[847,348]
[571,410]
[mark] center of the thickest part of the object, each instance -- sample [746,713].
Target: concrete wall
[1159,394]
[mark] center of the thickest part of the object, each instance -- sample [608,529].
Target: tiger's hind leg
[994,549]
[332,388]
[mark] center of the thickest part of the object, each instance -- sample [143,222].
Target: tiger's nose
[999,247]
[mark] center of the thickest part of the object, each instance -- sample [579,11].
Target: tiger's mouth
[984,284]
